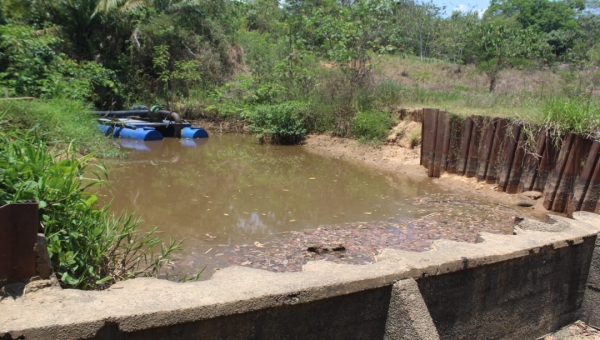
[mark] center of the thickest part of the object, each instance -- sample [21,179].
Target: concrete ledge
[332,300]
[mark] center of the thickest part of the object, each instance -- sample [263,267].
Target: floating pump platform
[141,123]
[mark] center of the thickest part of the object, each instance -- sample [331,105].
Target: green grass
[60,121]
[561,114]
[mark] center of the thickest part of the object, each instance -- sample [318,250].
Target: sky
[463,5]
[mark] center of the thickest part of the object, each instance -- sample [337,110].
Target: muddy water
[233,201]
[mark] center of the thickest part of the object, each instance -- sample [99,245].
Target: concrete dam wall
[517,286]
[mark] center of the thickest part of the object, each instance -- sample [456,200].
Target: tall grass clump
[89,247]
[579,115]
[60,121]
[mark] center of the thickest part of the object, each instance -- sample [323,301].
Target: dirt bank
[396,157]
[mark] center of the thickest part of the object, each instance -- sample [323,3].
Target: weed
[414,138]
[89,247]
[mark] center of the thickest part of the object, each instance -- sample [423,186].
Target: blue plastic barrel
[193,132]
[105,129]
[145,133]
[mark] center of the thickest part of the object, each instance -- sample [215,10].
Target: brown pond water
[233,201]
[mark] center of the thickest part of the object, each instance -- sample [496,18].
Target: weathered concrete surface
[504,285]
[591,303]
[408,317]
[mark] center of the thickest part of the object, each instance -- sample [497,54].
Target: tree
[500,47]
[556,21]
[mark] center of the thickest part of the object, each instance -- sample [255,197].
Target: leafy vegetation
[226,59]
[59,121]
[89,247]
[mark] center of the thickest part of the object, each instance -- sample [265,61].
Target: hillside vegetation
[293,67]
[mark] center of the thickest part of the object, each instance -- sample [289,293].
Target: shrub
[372,125]
[280,124]
[89,248]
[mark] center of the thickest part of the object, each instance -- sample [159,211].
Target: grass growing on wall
[60,121]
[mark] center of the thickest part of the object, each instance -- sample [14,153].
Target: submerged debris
[441,216]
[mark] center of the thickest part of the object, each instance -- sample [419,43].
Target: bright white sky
[463,5]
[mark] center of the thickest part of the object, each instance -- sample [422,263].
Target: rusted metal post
[473,156]
[585,185]
[591,202]
[579,151]
[429,138]
[547,163]
[456,127]
[18,235]
[441,144]
[514,178]
[446,145]
[511,142]
[495,154]
[464,146]
[532,162]
[554,179]
[486,149]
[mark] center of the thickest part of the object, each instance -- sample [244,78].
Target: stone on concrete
[534,195]
[408,317]
[42,259]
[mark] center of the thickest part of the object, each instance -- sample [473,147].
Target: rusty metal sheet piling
[554,179]
[430,130]
[473,155]
[547,163]
[486,149]
[464,145]
[591,202]
[532,161]
[584,185]
[511,142]
[456,128]
[496,152]
[428,137]
[18,235]
[441,144]
[514,177]
[579,151]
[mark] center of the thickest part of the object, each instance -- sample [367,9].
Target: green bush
[60,121]
[89,248]
[372,126]
[279,124]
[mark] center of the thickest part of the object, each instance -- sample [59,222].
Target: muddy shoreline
[398,159]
